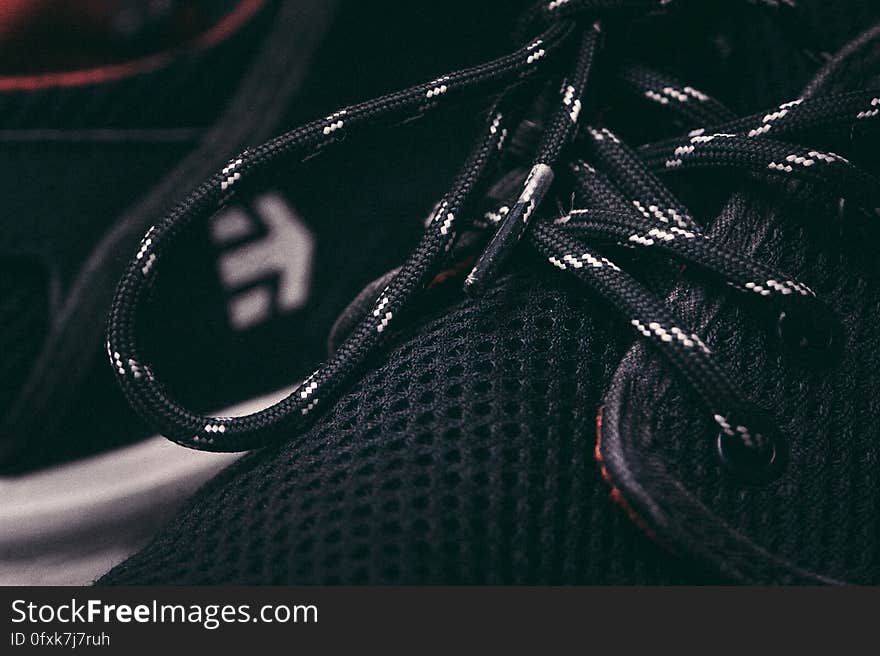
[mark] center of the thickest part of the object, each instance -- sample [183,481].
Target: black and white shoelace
[619,200]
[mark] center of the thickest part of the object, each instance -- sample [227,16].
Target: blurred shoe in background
[111,111]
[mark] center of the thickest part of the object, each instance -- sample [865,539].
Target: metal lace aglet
[511,230]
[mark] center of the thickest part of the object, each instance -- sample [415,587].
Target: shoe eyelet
[749,465]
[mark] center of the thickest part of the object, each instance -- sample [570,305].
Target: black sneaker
[450,439]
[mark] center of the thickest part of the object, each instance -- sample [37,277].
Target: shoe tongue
[841,21]
[850,36]
[752,58]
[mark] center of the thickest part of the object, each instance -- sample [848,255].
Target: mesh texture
[466,458]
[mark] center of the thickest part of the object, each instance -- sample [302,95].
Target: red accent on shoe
[219,32]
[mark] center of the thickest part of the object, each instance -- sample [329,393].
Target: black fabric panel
[467,457]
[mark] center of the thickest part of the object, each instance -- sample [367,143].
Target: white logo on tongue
[284,251]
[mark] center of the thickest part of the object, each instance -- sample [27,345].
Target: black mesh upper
[467,457]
